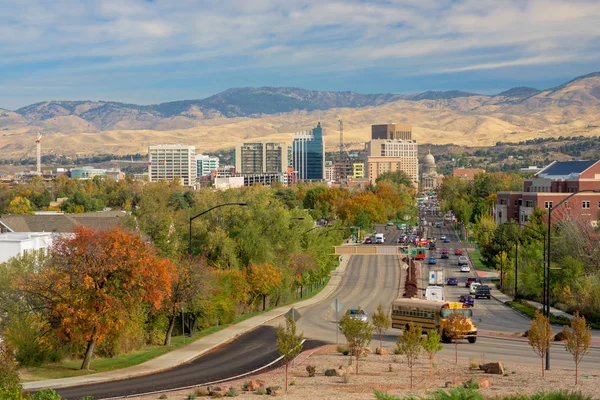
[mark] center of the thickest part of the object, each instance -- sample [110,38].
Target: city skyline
[147,52]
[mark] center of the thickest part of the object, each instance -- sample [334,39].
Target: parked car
[368,241]
[468,300]
[446,240]
[458,252]
[358,314]
[452,282]
[483,291]
[463,260]
[469,281]
[473,286]
[465,268]
[432,260]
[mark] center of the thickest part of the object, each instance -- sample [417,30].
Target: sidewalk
[196,349]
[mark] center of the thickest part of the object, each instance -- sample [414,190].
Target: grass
[70,368]
[476,257]
[530,310]
[460,393]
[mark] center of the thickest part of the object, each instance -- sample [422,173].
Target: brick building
[551,185]
[467,173]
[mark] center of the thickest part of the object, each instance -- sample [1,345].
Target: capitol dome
[429,159]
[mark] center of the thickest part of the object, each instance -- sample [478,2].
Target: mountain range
[275,113]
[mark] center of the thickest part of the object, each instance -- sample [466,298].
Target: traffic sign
[293,314]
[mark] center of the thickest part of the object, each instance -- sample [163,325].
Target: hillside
[275,113]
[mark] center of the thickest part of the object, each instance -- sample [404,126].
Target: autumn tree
[431,345]
[540,336]
[10,386]
[95,279]
[409,345]
[262,279]
[381,323]
[20,205]
[289,344]
[358,333]
[578,340]
[456,327]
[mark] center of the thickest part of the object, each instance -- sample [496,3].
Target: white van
[434,293]
[379,239]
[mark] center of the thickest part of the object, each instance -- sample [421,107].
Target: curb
[328,289]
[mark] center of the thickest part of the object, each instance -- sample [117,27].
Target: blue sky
[145,52]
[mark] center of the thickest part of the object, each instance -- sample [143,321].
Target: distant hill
[275,113]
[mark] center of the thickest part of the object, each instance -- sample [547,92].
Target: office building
[391,132]
[172,162]
[309,154]
[391,155]
[550,186]
[261,158]
[358,170]
[329,171]
[206,164]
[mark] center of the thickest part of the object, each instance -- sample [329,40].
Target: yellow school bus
[430,315]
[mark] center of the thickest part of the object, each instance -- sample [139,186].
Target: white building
[206,164]
[17,243]
[390,155]
[172,161]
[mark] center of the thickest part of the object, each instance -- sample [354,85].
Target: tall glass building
[308,153]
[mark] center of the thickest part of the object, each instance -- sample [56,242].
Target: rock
[382,351]
[341,371]
[492,368]
[483,383]
[331,372]
[212,390]
[448,384]
[274,390]
[255,384]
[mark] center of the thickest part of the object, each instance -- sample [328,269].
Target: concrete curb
[146,368]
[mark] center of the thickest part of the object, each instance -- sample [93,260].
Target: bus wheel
[472,339]
[406,328]
[445,338]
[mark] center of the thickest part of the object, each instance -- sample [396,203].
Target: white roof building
[17,243]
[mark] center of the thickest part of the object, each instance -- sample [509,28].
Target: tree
[262,279]
[409,345]
[578,340]
[358,334]
[397,177]
[457,326]
[381,323]
[431,344]
[10,386]
[289,344]
[540,336]
[20,205]
[95,280]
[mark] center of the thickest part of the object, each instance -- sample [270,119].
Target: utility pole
[38,149]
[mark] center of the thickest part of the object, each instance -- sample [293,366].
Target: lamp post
[204,212]
[550,208]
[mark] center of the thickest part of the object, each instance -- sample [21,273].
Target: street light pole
[204,212]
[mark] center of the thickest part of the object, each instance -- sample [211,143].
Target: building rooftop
[565,169]
[61,223]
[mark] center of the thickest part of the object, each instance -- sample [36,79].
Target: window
[529,203]
[547,204]
[503,201]
[516,214]
[516,203]
[585,204]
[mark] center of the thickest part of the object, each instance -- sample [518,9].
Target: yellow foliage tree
[20,205]
[262,279]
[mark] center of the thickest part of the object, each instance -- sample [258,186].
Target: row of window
[547,204]
[413,312]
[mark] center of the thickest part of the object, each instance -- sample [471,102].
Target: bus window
[447,312]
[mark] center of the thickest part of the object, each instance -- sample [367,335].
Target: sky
[152,51]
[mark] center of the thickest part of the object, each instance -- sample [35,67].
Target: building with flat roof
[550,186]
[391,131]
[391,155]
[205,164]
[261,158]
[14,244]
[358,170]
[308,152]
[170,162]
[467,173]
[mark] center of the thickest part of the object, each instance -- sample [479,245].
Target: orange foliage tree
[262,279]
[94,279]
[368,202]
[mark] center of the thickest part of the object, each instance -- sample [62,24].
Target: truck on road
[436,276]
[379,239]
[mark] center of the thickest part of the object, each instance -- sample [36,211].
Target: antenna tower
[341,139]
[38,148]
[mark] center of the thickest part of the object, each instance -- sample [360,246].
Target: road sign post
[337,306]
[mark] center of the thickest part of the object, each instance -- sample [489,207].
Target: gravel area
[390,373]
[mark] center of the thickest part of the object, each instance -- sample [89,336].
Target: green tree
[397,177]
[20,205]
[456,327]
[10,386]
[578,340]
[540,336]
[409,345]
[431,345]
[381,323]
[358,334]
[289,344]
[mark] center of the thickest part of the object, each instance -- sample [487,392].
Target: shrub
[458,393]
[343,349]
[293,382]
[232,392]
[89,398]
[202,392]
[472,383]
[47,394]
[192,396]
[311,369]
[560,336]
[261,391]
[10,388]
[384,396]
[163,396]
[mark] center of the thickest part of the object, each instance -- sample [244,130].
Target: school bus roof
[419,302]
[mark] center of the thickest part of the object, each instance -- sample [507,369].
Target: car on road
[473,287]
[483,291]
[432,260]
[446,240]
[390,223]
[452,282]
[442,237]
[458,252]
[445,256]
[465,268]
[468,300]
[469,281]
[462,260]
[431,246]
[358,314]
[368,241]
